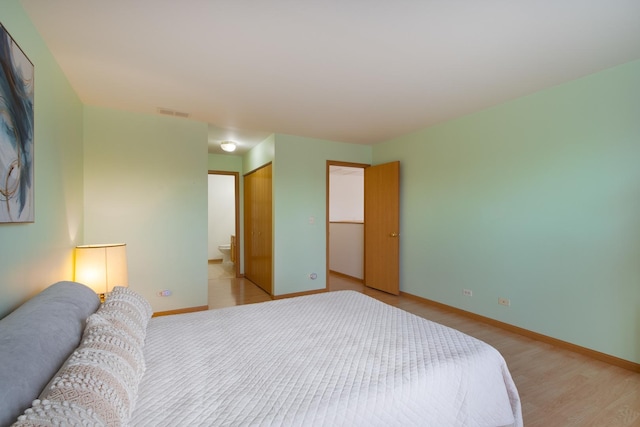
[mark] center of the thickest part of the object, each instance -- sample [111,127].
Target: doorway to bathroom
[223,225]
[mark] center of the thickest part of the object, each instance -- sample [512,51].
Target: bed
[337,358]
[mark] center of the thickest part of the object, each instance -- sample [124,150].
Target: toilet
[226,252]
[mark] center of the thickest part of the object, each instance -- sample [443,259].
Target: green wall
[33,256]
[225,162]
[259,155]
[146,186]
[536,200]
[299,193]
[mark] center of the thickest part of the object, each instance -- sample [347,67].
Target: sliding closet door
[258,227]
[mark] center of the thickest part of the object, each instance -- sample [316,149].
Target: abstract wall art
[16,132]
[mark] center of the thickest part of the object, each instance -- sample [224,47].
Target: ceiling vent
[169,112]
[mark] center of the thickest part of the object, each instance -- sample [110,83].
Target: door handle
[394,234]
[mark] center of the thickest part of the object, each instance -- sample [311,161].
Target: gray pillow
[36,339]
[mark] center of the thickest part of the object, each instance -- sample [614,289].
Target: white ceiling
[360,71]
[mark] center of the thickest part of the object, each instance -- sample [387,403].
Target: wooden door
[263,251]
[258,228]
[248,226]
[382,227]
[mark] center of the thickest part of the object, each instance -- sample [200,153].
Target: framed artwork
[16,132]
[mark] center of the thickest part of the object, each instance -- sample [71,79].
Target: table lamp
[101,267]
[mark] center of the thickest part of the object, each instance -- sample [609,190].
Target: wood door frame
[327,222]
[236,179]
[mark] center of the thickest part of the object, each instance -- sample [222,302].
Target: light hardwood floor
[557,387]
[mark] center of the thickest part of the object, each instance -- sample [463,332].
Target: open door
[223,228]
[382,227]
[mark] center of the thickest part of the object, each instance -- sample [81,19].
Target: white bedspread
[338,358]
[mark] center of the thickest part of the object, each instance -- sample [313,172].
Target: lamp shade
[101,267]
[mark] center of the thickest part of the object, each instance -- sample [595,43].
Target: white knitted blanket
[332,359]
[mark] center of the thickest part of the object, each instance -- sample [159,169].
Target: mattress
[331,359]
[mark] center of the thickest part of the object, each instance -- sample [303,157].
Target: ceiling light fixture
[228,146]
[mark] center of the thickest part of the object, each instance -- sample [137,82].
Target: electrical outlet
[467,292]
[504,301]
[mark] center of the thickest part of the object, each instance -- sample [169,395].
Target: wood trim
[299,294]
[217,172]
[603,357]
[181,311]
[346,164]
[215,261]
[238,238]
[356,279]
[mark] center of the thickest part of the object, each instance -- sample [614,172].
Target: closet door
[258,227]
[249,269]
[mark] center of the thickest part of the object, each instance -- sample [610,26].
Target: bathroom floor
[221,270]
